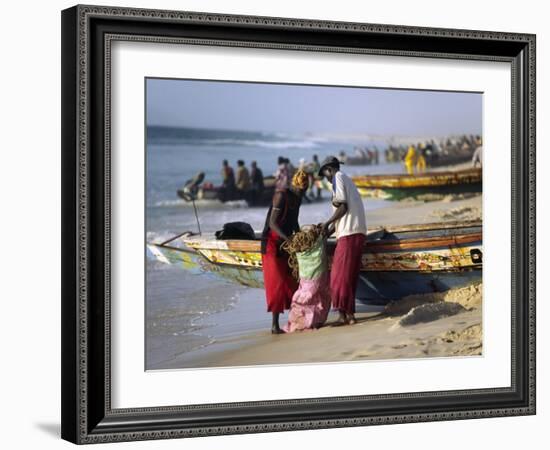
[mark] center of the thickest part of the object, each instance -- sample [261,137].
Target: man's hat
[329,161]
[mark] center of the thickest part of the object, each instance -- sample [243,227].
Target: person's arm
[339,201]
[276,211]
[329,226]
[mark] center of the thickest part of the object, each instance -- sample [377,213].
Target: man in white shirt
[349,223]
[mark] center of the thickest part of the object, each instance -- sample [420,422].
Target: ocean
[182,309]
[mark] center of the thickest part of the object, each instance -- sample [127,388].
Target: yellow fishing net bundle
[306,249]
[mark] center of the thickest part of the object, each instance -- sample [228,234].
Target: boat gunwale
[400,176]
[253,246]
[256,268]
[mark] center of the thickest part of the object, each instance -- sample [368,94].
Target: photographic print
[295,224]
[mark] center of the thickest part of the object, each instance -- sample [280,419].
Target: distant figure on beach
[315,165]
[349,222]
[430,153]
[477,157]
[256,177]
[280,223]
[282,175]
[315,179]
[256,181]
[342,156]
[410,160]
[291,168]
[421,158]
[228,177]
[243,177]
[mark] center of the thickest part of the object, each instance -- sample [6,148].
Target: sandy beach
[376,336]
[431,325]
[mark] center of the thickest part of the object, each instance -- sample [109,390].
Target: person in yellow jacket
[410,160]
[420,159]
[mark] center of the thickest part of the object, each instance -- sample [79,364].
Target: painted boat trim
[431,180]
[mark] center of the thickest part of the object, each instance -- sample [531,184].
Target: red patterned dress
[278,281]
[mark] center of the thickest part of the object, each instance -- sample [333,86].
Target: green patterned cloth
[312,263]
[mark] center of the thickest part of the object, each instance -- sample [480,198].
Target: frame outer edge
[69,292]
[532,98]
[75,209]
[297,23]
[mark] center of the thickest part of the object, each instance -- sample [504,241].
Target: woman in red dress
[281,221]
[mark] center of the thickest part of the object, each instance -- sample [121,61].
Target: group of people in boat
[416,157]
[243,180]
[347,222]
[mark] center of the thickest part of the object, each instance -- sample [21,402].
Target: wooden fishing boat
[253,198]
[437,159]
[396,187]
[207,191]
[397,261]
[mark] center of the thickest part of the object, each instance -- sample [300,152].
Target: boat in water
[399,186]
[252,197]
[208,191]
[397,261]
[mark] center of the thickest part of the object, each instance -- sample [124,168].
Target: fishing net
[306,249]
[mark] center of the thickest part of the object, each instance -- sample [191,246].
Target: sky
[288,108]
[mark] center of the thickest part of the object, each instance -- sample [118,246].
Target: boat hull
[402,193]
[397,187]
[390,268]
[379,288]
[251,197]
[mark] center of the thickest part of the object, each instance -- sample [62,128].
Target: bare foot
[342,320]
[351,319]
[277,330]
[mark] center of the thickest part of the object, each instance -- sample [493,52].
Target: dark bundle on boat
[235,230]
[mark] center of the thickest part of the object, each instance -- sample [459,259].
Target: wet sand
[377,335]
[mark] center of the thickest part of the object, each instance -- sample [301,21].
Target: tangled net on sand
[300,242]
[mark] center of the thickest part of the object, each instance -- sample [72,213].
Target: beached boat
[437,159]
[397,261]
[396,187]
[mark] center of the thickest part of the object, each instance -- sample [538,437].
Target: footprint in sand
[399,346]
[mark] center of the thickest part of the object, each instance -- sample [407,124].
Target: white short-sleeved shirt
[345,191]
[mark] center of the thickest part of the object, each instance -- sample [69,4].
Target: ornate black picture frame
[87,33]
